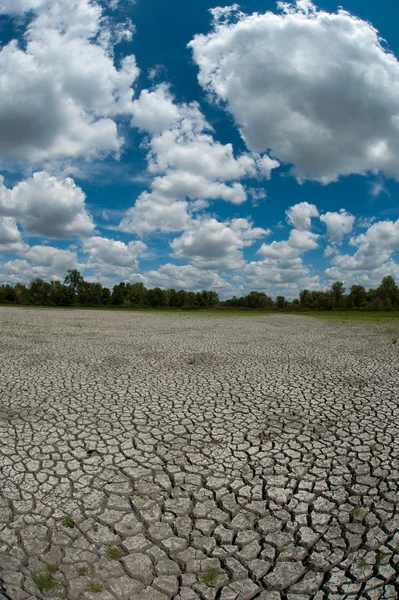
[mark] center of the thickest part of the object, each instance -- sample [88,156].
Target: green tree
[281,302]
[75,279]
[388,284]
[337,291]
[357,296]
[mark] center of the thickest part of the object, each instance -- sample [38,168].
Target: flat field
[150,456]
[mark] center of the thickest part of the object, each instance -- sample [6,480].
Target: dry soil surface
[151,457]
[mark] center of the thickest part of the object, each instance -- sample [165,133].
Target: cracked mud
[151,457]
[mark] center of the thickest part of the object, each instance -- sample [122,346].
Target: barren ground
[151,457]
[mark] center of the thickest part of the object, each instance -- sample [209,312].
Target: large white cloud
[317,89]
[300,215]
[215,245]
[188,164]
[45,262]
[185,277]
[298,242]
[9,232]
[338,224]
[374,248]
[18,7]
[75,91]
[47,206]
[105,252]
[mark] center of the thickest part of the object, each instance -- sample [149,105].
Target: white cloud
[338,224]
[317,89]
[279,277]
[152,212]
[300,215]
[47,206]
[18,7]
[154,111]
[186,184]
[373,258]
[75,90]
[298,243]
[105,252]
[9,232]
[181,139]
[215,245]
[188,164]
[185,277]
[329,251]
[45,262]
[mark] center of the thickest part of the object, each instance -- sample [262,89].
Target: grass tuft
[210,576]
[68,521]
[357,512]
[45,581]
[114,552]
[95,588]
[361,564]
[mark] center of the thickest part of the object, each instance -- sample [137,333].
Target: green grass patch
[95,588]
[68,521]
[45,579]
[357,512]
[382,317]
[210,576]
[114,552]
[361,564]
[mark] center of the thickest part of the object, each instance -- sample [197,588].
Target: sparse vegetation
[361,564]
[68,521]
[82,571]
[95,588]
[210,576]
[114,552]
[95,527]
[44,580]
[52,568]
[357,512]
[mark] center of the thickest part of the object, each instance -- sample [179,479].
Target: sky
[197,145]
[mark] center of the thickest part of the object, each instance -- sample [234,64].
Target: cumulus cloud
[338,224]
[373,259]
[45,262]
[75,90]
[317,89]
[283,277]
[185,277]
[215,245]
[281,269]
[152,212]
[9,232]
[298,243]
[48,206]
[300,215]
[105,252]
[187,164]
[18,7]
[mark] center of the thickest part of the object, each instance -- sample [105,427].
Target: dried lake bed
[150,456]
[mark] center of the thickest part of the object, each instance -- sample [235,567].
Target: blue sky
[194,145]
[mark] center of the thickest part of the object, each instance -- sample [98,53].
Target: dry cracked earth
[155,457]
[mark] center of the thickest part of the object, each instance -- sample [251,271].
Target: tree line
[75,291]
